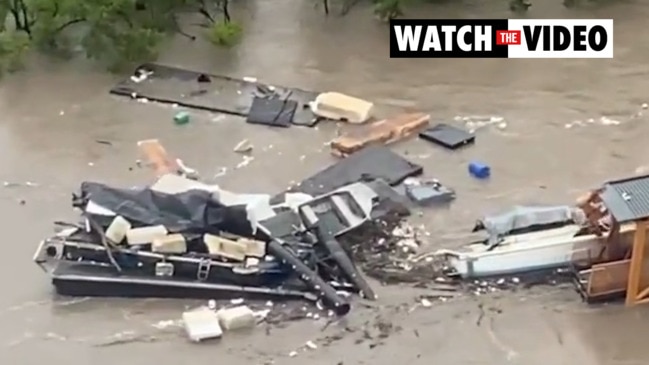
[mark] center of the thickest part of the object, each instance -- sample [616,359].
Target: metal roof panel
[627,199]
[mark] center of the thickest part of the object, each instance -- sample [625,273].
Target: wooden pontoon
[622,269]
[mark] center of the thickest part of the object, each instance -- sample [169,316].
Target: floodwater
[53,114]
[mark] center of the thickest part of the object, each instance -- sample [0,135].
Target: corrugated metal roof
[627,199]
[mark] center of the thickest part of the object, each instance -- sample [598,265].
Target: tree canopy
[122,32]
[114,32]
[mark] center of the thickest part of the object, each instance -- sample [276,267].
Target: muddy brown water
[53,114]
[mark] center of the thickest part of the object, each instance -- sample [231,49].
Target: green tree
[13,46]
[117,33]
[221,29]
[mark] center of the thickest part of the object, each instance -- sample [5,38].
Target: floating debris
[246,161]
[243,146]
[601,121]
[475,123]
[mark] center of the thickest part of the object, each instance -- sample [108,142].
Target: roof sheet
[627,199]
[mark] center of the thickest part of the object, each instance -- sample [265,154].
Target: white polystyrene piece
[236,318]
[224,247]
[145,235]
[202,324]
[116,231]
[338,106]
[170,244]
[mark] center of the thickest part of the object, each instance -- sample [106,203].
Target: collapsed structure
[182,238]
[618,212]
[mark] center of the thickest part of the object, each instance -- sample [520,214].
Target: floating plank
[385,131]
[214,93]
[158,158]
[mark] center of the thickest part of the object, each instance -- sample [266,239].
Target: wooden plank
[385,131]
[637,260]
[157,157]
[607,278]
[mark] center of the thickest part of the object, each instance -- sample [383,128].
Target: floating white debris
[202,324]
[139,78]
[408,244]
[641,170]
[411,181]
[236,318]
[250,79]
[403,231]
[426,303]
[645,105]
[292,354]
[477,122]
[243,146]
[218,118]
[164,324]
[237,301]
[222,171]
[608,121]
[246,161]
[261,314]
[8,184]
[311,345]
[189,172]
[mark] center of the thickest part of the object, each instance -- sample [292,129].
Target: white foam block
[202,324]
[170,244]
[116,231]
[145,235]
[236,318]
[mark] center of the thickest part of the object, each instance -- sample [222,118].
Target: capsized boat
[524,240]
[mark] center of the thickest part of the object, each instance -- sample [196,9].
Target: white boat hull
[546,249]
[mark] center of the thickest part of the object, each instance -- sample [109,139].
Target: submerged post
[637,263]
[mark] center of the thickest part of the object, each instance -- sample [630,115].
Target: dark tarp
[370,163]
[523,219]
[222,94]
[194,211]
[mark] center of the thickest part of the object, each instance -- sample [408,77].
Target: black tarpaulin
[370,163]
[194,211]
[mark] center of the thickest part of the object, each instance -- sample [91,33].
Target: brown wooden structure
[620,212]
[157,157]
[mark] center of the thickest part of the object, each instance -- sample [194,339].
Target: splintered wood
[385,131]
[156,156]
